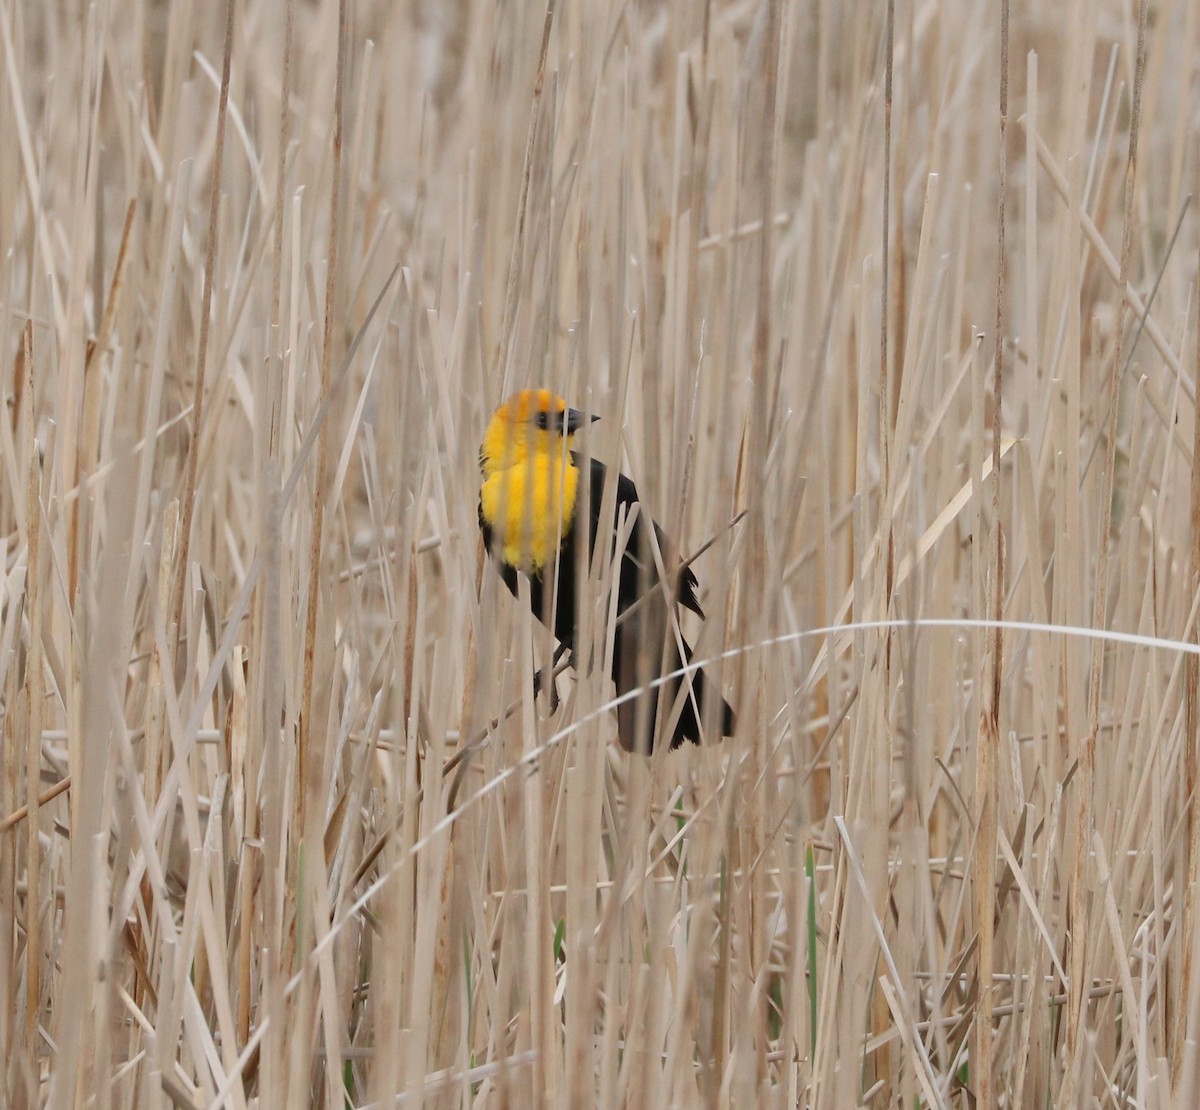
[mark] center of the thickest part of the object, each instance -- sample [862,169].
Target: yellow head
[527,499]
[534,423]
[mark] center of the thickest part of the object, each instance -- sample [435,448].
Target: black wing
[637,563]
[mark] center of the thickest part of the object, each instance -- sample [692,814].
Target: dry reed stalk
[987,759]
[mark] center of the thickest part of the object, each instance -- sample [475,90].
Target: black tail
[693,705]
[636,717]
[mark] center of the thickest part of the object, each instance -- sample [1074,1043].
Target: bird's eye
[546,420]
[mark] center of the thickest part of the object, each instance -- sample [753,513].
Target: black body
[645,645]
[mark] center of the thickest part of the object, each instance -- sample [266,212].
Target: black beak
[576,420]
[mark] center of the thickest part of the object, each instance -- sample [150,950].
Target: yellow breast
[530,506]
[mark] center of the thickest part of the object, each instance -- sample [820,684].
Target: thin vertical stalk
[306,755]
[987,756]
[210,266]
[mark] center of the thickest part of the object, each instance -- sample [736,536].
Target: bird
[537,504]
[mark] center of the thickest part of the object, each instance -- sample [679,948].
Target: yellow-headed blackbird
[531,518]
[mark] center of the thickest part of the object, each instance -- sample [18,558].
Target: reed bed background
[282,821]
